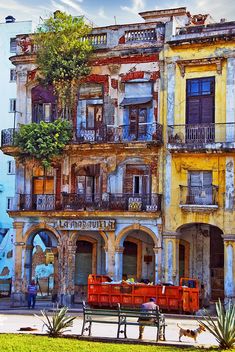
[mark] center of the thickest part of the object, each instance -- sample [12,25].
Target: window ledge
[199,208]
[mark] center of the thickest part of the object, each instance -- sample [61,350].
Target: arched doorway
[42,262]
[89,259]
[201,256]
[138,259]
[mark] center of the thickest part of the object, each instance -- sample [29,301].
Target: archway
[42,261]
[201,256]
[89,259]
[135,255]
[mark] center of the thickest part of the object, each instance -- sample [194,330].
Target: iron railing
[199,195]
[86,202]
[8,137]
[201,134]
[124,133]
[104,134]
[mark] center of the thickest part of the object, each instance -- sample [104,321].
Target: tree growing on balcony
[43,142]
[63,53]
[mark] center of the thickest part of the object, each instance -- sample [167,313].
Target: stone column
[69,274]
[171,256]
[229,267]
[18,287]
[118,263]
[110,255]
[157,266]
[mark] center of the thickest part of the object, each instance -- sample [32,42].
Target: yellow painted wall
[183,162]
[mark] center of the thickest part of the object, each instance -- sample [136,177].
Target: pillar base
[66,300]
[18,299]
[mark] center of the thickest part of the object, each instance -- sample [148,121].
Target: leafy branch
[44,141]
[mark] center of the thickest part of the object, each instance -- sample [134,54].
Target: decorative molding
[198,208]
[200,62]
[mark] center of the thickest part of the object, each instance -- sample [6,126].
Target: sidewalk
[12,319]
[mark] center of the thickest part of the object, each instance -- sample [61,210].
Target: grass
[33,343]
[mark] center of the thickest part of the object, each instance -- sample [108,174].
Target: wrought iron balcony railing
[86,202]
[198,135]
[199,195]
[104,134]
[125,133]
[8,137]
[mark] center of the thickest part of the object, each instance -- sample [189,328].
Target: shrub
[58,323]
[223,328]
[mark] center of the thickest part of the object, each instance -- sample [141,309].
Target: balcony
[7,137]
[125,133]
[143,35]
[199,198]
[91,202]
[105,134]
[193,137]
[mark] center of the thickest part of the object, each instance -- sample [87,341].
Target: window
[12,75]
[44,106]
[94,116]
[137,180]
[13,45]
[9,203]
[200,100]
[11,167]
[200,110]
[200,187]
[138,121]
[12,107]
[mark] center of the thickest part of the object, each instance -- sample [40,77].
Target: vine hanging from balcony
[62,56]
[43,141]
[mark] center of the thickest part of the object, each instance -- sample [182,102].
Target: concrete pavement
[12,320]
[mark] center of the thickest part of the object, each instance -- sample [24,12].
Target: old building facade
[145,189]
[198,108]
[101,211]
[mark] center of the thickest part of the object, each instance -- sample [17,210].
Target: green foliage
[223,328]
[63,52]
[44,141]
[58,323]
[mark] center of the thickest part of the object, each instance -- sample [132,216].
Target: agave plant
[223,328]
[58,323]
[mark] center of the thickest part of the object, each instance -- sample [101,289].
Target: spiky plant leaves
[223,329]
[58,323]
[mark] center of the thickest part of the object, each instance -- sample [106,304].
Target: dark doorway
[129,260]
[216,263]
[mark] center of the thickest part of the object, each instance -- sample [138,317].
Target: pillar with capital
[229,267]
[18,287]
[171,258]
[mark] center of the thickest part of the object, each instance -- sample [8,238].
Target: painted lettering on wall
[91,225]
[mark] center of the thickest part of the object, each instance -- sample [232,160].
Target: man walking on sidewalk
[32,294]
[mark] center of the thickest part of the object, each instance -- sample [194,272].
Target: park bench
[123,317]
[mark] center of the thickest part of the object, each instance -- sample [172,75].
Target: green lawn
[32,343]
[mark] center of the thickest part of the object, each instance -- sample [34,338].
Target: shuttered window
[200,187]
[43,185]
[200,100]
[83,262]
